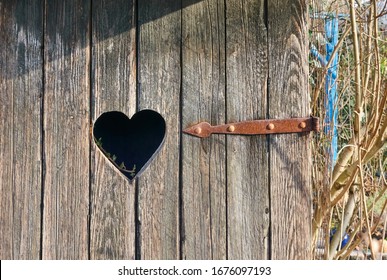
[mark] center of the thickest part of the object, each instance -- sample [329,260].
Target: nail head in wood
[270,126]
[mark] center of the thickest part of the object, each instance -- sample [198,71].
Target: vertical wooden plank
[247,158]
[114,89]
[160,78]
[203,160]
[290,155]
[20,128]
[66,128]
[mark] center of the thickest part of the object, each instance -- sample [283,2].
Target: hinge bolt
[198,130]
[302,124]
[270,126]
[231,128]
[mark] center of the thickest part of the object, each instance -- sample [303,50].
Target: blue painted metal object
[332,36]
[345,238]
[331,40]
[318,55]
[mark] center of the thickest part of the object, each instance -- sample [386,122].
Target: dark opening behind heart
[130,143]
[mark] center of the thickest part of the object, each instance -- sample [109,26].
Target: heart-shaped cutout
[130,144]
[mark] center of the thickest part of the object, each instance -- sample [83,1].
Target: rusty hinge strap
[293,125]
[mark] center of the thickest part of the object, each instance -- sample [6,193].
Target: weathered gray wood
[247,157]
[66,130]
[20,128]
[289,154]
[114,89]
[159,82]
[204,162]
[210,61]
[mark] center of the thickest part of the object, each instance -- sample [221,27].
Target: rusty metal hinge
[255,127]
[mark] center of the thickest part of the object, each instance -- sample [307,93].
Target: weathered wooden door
[63,63]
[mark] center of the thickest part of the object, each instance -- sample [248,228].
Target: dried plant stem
[358,83]
[362,101]
[377,80]
[369,47]
[364,206]
[348,212]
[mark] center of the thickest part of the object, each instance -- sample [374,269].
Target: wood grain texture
[204,161]
[66,130]
[247,157]
[20,128]
[63,63]
[290,155]
[114,89]
[159,90]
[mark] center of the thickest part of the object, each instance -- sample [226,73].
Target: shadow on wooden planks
[34,30]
